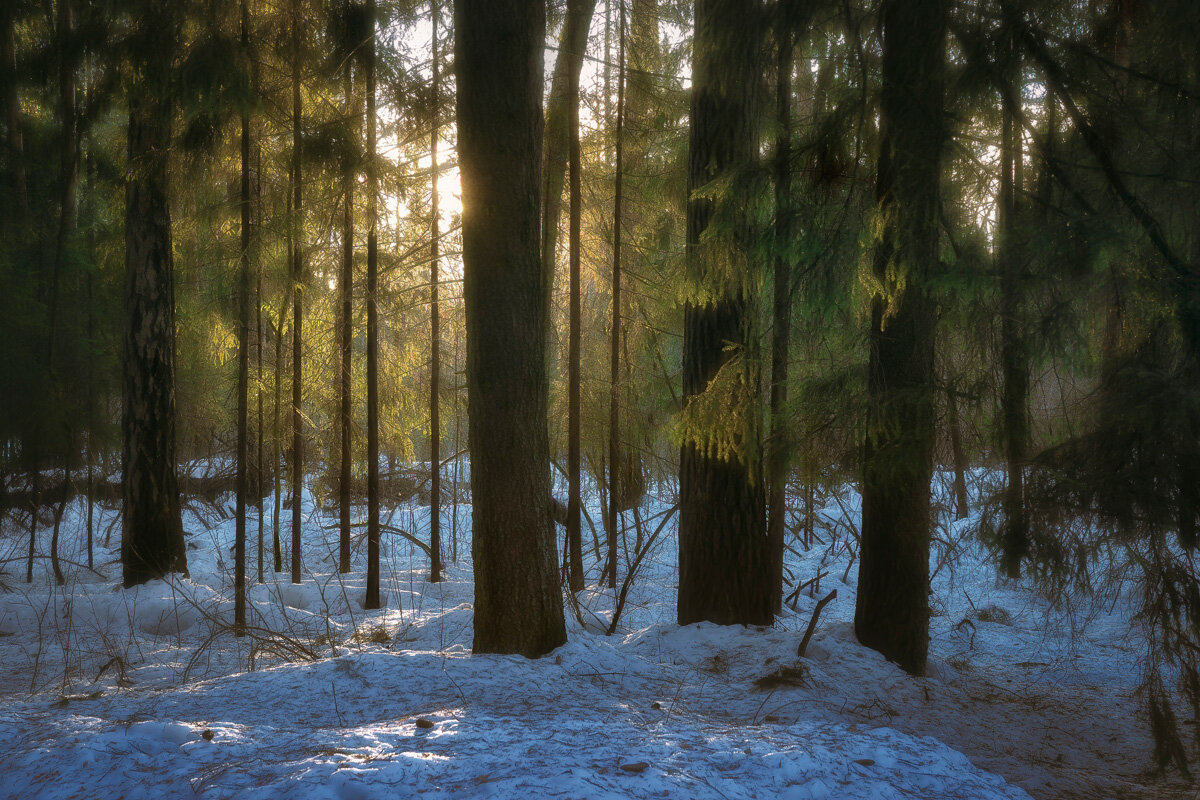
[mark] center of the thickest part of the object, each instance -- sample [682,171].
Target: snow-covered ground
[145,693]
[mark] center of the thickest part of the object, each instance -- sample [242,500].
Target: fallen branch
[795,595]
[405,534]
[812,623]
[392,530]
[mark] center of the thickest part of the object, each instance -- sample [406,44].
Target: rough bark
[152,545]
[892,612]
[723,547]
[518,605]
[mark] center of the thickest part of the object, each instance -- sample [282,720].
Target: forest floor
[146,694]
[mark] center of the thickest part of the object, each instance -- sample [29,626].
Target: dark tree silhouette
[892,612]
[498,64]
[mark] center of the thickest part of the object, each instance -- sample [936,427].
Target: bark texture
[723,546]
[498,48]
[892,612]
[152,544]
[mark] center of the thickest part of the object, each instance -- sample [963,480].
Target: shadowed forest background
[612,273]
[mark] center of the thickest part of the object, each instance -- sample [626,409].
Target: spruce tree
[892,610]
[724,559]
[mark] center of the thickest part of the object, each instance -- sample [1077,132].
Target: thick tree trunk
[518,604]
[724,557]
[152,545]
[892,612]
[372,599]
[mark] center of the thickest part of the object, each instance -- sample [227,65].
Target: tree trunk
[64,496]
[296,226]
[1013,363]
[35,501]
[12,110]
[68,154]
[435,334]
[961,505]
[892,612]
[346,339]
[152,545]
[724,558]
[258,347]
[574,539]
[614,351]
[498,64]
[90,396]
[277,438]
[562,122]
[373,599]
[778,462]
[243,379]
[571,46]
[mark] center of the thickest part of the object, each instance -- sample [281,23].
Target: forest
[600,398]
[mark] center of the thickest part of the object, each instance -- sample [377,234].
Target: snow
[146,693]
